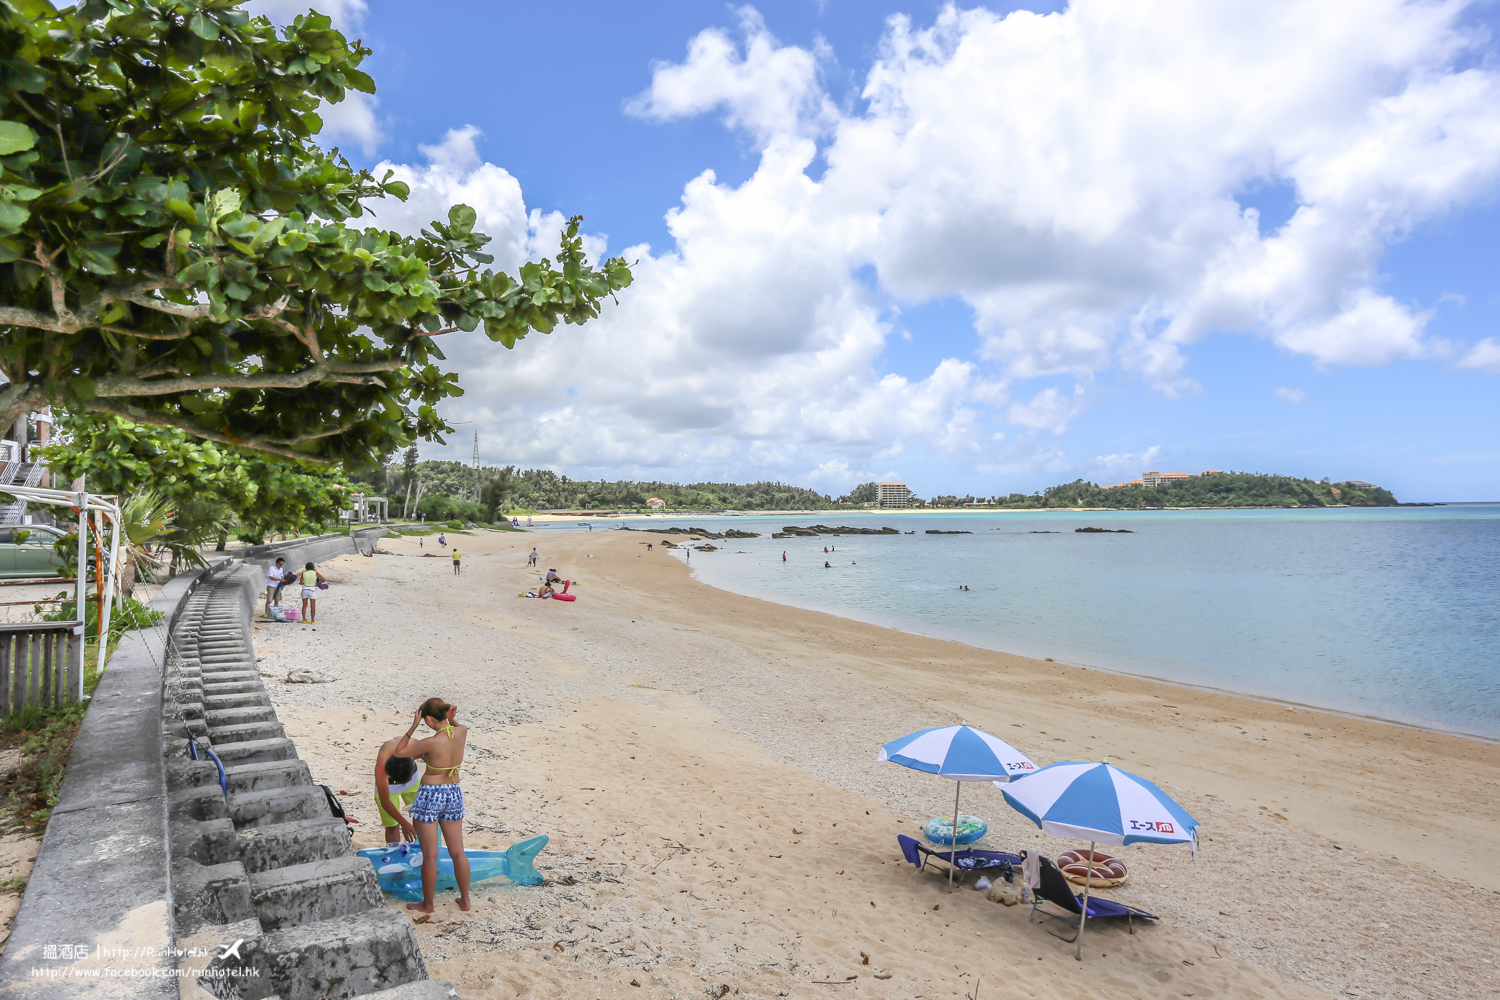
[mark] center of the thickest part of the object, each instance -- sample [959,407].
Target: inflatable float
[399,866]
[563,596]
[940,830]
[1105,872]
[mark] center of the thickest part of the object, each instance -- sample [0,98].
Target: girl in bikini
[440,801]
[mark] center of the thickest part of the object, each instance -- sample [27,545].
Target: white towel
[1031,870]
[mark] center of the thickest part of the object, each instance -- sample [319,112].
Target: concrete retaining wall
[146,861]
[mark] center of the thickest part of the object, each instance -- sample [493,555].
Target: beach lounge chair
[1054,889]
[965,863]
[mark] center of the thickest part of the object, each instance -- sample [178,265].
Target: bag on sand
[277,615]
[335,807]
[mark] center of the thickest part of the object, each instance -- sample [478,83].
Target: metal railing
[41,663]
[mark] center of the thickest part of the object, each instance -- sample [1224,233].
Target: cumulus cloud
[1075,178]
[769,90]
[1483,356]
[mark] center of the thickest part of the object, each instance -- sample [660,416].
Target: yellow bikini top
[451,770]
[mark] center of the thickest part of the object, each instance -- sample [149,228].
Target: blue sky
[979,253]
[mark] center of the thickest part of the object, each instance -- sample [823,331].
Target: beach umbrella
[1101,804]
[959,754]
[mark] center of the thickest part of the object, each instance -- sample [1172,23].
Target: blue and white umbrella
[1101,804]
[959,754]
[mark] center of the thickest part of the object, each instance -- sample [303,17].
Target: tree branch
[267,445]
[15,399]
[347,372]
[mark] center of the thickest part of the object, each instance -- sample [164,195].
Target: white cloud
[1483,356]
[1130,463]
[770,91]
[1072,177]
[1292,396]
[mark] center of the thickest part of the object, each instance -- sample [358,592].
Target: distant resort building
[656,503]
[1360,484]
[892,495]
[1155,478]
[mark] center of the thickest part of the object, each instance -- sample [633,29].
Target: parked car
[26,552]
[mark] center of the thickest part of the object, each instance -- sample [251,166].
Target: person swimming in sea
[439,804]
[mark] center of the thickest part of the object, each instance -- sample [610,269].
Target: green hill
[1221,489]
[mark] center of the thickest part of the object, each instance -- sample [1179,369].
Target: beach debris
[864,958]
[307,675]
[982,884]
[882,975]
[635,982]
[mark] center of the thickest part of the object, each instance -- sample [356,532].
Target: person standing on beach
[439,805]
[783,557]
[275,580]
[395,786]
[531,561]
[442,539]
[311,578]
[455,563]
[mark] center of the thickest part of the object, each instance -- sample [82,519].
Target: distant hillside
[1222,489]
[541,489]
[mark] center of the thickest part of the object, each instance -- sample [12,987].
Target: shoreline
[705,765]
[1114,671]
[551,516]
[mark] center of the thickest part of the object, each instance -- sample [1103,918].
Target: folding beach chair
[1054,889]
[965,863]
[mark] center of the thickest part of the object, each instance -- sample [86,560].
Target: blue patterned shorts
[438,804]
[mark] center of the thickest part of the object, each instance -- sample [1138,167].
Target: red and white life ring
[1099,870]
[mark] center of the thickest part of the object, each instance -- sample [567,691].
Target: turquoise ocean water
[1390,612]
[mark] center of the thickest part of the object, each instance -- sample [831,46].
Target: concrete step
[346,956]
[233,687]
[263,848]
[200,802]
[270,774]
[240,716]
[276,805]
[256,751]
[240,699]
[244,732]
[318,890]
[423,989]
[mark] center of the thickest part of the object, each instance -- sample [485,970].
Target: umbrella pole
[958,786]
[1088,881]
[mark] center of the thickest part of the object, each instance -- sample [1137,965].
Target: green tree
[175,249]
[211,488]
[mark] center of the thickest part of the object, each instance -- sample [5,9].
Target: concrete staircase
[266,865]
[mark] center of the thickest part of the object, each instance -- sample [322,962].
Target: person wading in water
[440,801]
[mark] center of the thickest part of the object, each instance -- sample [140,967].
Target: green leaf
[461,220]
[200,25]
[15,137]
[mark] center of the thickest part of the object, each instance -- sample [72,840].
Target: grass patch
[43,739]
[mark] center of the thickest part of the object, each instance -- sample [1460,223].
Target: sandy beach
[705,766]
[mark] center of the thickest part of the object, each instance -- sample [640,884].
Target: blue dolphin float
[399,866]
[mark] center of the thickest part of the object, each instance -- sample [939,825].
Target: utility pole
[476,466]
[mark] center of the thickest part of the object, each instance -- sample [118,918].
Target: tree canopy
[176,249]
[1220,489]
[262,495]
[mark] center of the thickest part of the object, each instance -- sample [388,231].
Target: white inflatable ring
[1099,871]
